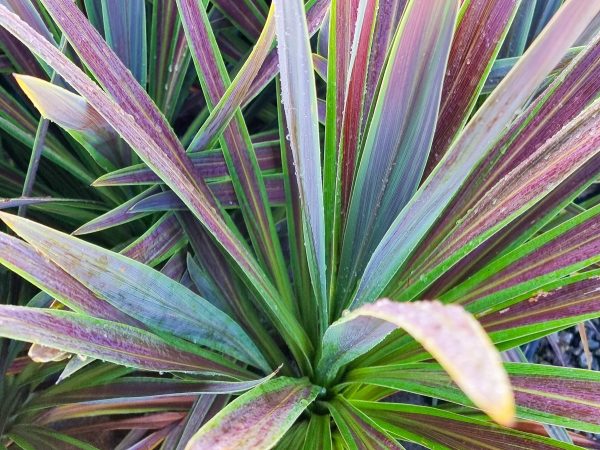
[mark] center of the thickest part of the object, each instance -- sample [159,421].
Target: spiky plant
[256,279]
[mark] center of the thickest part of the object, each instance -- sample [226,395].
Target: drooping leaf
[452,336]
[258,418]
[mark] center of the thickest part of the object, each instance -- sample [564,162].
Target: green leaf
[258,418]
[559,396]
[401,129]
[358,430]
[451,335]
[109,341]
[439,429]
[300,104]
[149,296]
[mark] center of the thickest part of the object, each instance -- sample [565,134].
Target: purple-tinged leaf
[477,40]
[523,187]
[139,388]
[203,409]
[238,151]
[136,289]
[160,242]
[451,335]
[73,113]
[142,126]
[170,59]
[105,340]
[298,93]
[125,32]
[258,418]
[400,132]
[225,108]
[314,17]
[28,12]
[208,164]
[566,97]
[127,405]
[175,267]
[117,216]
[425,207]
[553,395]
[577,300]
[435,427]
[147,422]
[222,190]
[31,265]
[243,14]
[567,248]
[358,430]
[6,203]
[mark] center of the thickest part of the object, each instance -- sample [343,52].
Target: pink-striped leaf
[451,335]
[565,249]
[400,132]
[556,305]
[551,111]
[102,339]
[532,180]
[258,418]
[425,207]
[477,40]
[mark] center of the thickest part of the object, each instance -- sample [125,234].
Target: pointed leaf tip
[450,334]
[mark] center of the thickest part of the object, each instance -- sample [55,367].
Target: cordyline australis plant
[268,267]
